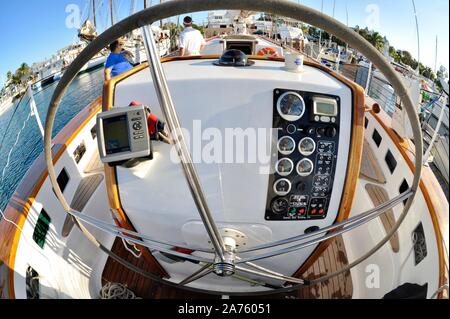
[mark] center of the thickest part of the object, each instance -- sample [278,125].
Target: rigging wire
[13,147]
[10,121]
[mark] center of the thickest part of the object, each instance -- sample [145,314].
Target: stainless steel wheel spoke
[274,273]
[271,276]
[189,170]
[202,272]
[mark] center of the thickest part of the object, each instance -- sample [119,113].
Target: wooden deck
[371,171]
[333,259]
[140,285]
[370,168]
[379,195]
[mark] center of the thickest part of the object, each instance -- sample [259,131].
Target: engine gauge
[307,146]
[280,205]
[305,167]
[286,145]
[282,187]
[291,106]
[284,167]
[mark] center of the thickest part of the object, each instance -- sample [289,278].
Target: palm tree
[23,73]
[377,41]
[394,53]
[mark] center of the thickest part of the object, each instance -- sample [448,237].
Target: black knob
[330,132]
[301,187]
[321,131]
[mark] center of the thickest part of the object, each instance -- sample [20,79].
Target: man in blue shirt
[116,63]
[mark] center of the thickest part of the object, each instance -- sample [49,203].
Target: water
[83,90]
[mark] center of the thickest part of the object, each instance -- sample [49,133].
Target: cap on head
[187,20]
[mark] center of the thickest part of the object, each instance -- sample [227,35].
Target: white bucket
[294,62]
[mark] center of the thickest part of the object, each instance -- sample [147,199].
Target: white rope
[116,291]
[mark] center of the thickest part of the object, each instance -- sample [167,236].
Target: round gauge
[307,146]
[282,187]
[305,167]
[291,129]
[284,167]
[280,205]
[286,145]
[291,106]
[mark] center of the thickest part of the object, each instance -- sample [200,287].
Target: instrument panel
[304,156]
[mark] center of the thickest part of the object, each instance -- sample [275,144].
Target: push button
[137,126]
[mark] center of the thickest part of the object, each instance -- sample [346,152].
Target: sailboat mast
[334,9]
[95,14]
[112,14]
[436,56]
[160,21]
[320,34]
[418,35]
[346,10]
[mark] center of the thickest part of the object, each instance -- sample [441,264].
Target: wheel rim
[279,7]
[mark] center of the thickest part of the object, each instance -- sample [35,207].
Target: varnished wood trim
[112,188]
[23,198]
[434,197]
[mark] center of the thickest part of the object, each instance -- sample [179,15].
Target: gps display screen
[116,135]
[325,109]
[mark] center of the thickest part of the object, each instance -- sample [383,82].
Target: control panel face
[123,134]
[305,155]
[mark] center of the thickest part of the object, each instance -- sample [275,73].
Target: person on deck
[191,40]
[116,63]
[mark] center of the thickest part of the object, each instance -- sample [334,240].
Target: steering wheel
[281,8]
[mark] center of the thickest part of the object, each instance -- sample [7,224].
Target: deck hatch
[63,179]
[390,161]
[377,138]
[403,188]
[41,229]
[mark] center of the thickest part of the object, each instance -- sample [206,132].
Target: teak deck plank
[370,168]
[379,195]
[83,194]
[333,259]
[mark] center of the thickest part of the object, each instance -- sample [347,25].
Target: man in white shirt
[191,40]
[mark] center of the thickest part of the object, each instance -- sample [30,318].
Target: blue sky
[32,30]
